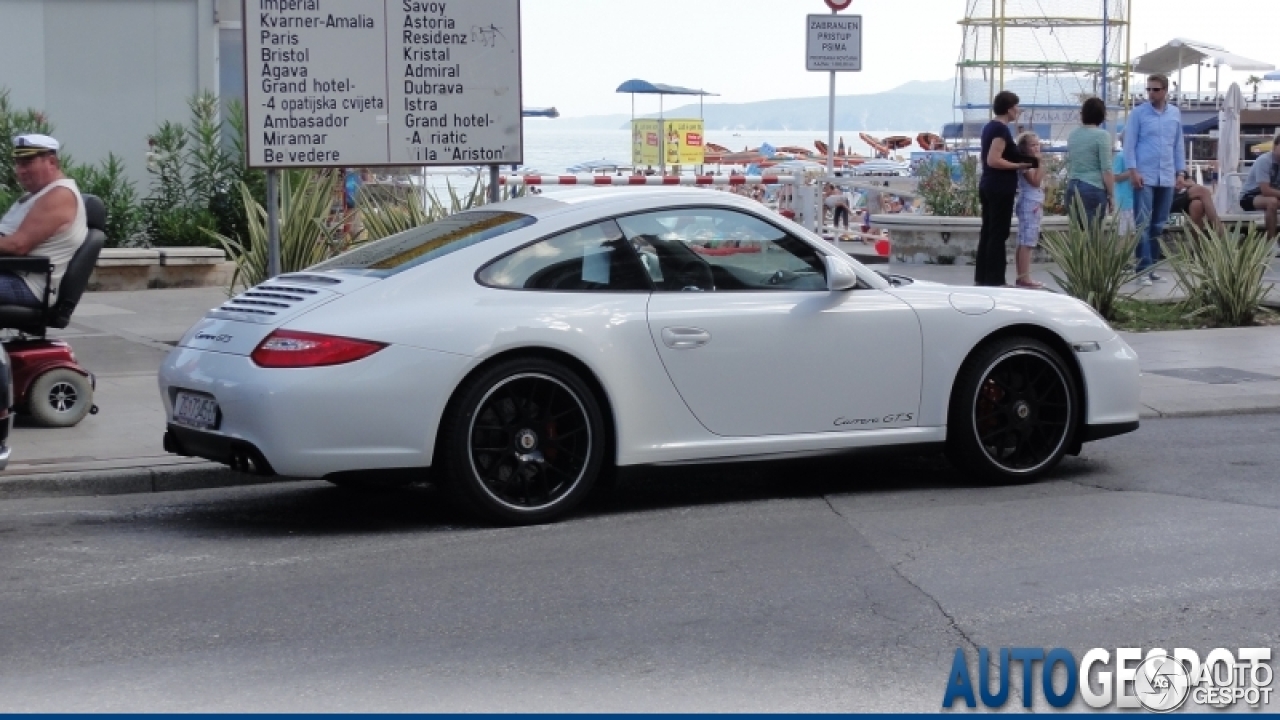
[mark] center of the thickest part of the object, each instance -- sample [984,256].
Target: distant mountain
[916,104]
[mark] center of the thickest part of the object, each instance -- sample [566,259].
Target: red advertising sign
[693,139]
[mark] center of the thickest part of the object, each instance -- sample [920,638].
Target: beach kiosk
[675,141]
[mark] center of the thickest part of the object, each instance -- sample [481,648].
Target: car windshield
[399,252]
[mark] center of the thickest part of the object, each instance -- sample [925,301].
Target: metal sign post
[273,222]
[834,45]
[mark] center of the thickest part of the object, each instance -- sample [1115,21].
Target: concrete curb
[208,475]
[198,476]
[1150,413]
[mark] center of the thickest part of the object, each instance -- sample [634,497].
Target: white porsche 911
[519,350]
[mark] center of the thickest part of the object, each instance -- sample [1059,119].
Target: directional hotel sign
[834,43]
[356,83]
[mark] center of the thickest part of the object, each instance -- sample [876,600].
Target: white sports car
[520,350]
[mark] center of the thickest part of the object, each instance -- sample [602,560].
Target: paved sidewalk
[123,336]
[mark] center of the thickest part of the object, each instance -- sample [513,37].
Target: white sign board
[358,83]
[834,43]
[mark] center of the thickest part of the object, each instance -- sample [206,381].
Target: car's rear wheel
[524,442]
[1014,411]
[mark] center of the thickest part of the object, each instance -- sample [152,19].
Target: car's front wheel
[1014,411]
[524,441]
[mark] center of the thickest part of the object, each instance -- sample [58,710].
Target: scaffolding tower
[1052,53]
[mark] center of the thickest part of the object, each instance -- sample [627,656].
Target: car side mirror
[840,274]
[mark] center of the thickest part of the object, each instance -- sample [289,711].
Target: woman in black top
[997,189]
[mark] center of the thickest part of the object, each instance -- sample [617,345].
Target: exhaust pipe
[171,444]
[248,459]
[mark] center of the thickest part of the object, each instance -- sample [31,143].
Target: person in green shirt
[1090,182]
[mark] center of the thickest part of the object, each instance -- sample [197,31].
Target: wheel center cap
[1022,410]
[526,440]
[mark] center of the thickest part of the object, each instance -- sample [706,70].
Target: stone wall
[947,240]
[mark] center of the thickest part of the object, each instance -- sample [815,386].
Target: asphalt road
[834,586]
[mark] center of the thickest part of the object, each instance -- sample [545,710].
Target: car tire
[1014,411]
[59,398]
[524,442]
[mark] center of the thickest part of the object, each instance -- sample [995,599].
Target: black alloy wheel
[1014,411]
[525,442]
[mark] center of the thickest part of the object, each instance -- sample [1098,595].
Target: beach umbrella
[1229,150]
[597,165]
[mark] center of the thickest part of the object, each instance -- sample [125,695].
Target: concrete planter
[945,240]
[165,267]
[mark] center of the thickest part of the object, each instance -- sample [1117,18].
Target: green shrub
[194,180]
[1221,270]
[226,203]
[308,233]
[386,211]
[14,122]
[117,192]
[1094,262]
[942,195]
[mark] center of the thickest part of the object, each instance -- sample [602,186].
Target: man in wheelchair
[49,244]
[49,221]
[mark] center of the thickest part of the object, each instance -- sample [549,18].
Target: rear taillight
[292,349]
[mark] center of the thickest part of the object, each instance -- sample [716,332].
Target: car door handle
[685,338]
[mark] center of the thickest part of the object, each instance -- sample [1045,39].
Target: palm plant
[1255,81]
[386,213]
[309,231]
[1222,271]
[1095,260]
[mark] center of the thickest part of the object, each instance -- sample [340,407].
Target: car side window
[706,249]
[593,257]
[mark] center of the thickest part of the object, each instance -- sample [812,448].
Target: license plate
[198,411]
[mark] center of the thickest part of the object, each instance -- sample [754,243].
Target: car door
[753,340]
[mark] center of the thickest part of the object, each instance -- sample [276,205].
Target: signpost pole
[831,123]
[662,136]
[494,194]
[833,45]
[273,222]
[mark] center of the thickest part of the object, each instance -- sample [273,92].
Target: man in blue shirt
[1261,190]
[1155,153]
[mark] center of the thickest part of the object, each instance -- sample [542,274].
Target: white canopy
[1180,53]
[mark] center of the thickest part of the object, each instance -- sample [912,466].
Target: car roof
[613,200]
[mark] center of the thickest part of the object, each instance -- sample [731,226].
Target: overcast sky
[577,52]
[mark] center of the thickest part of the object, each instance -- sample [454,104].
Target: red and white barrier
[645,180]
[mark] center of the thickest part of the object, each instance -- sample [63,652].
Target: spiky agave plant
[1222,270]
[388,213]
[1094,260]
[309,232]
